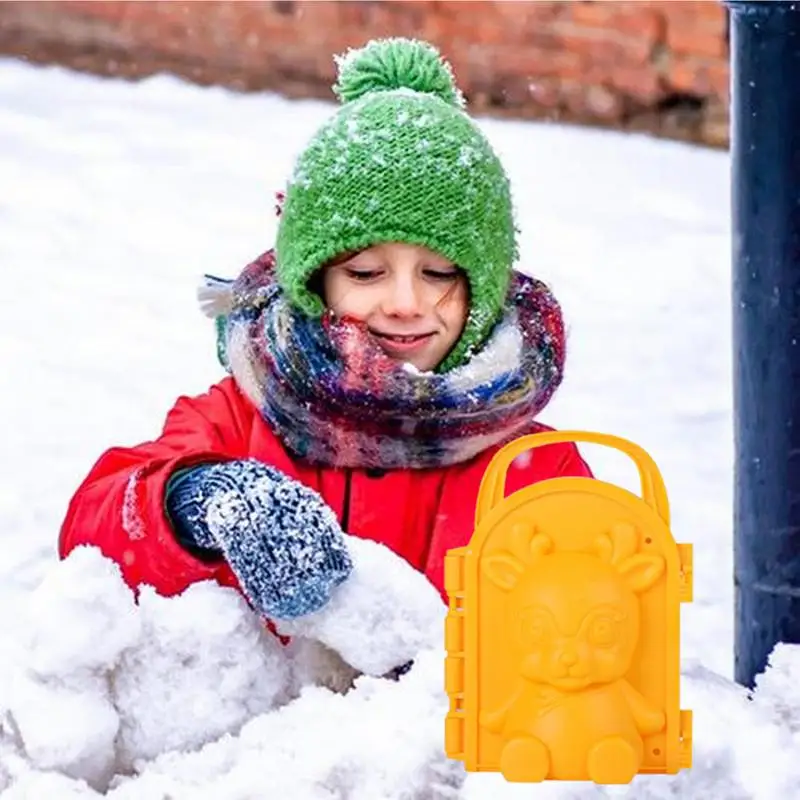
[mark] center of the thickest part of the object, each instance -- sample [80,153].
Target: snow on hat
[400,161]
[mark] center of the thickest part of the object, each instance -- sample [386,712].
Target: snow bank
[191,697]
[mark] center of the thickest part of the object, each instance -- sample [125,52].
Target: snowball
[204,665]
[81,617]
[381,617]
[66,730]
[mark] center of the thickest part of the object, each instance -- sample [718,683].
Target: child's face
[413,300]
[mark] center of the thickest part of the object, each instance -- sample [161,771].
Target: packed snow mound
[191,696]
[381,589]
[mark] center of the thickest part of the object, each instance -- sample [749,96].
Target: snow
[192,697]
[117,197]
[381,618]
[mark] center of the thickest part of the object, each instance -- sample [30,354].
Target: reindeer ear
[641,571]
[504,571]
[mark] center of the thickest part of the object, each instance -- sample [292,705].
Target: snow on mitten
[282,541]
[381,618]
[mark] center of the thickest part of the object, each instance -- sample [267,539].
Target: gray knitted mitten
[282,541]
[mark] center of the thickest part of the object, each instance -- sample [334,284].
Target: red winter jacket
[420,514]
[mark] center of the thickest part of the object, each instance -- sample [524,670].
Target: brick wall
[655,66]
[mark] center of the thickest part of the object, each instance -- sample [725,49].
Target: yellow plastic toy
[563,628]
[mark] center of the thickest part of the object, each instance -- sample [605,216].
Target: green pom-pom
[385,65]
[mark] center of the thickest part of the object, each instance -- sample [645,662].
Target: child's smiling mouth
[401,344]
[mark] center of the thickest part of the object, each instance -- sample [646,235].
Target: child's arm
[122,507]
[573,465]
[119,506]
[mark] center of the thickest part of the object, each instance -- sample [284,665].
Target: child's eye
[363,274]
[441,274]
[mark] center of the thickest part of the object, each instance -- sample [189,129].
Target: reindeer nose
[569,658]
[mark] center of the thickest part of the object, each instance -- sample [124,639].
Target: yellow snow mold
[563,628]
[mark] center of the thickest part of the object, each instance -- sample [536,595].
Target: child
[378,358]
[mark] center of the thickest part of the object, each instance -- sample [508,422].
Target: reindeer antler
[621,542]
[525,548]
[526,544]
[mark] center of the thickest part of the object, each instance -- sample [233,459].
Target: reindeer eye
[603,631]
[534,627]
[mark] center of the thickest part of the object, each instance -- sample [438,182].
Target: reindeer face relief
[577,614]
[589,639]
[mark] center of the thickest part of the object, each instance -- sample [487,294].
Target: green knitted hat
[400,161]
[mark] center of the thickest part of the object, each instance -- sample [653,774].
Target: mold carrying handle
[492,489]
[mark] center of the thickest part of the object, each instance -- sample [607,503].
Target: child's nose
[403,300]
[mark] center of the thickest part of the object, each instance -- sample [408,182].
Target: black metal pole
[765,153]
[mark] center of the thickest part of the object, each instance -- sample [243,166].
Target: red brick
[643,86]
[707,15]
[601,102]
[532,63]
[702,78]
[546,92]
[442,29]
[694,42]
[592,13]
[632,18]
[719,79]
[604,49]
[518,14]
[577,60]
[113,12]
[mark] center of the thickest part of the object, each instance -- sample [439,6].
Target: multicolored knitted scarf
[335,398]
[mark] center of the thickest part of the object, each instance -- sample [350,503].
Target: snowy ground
[114,198]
